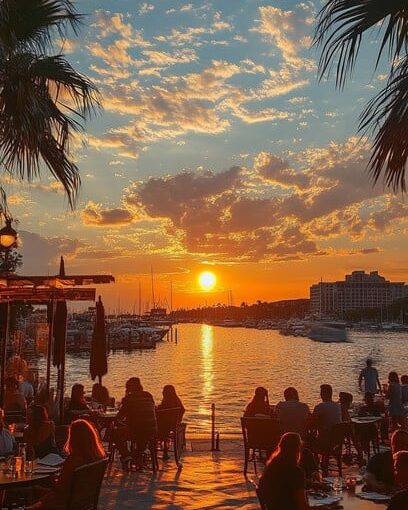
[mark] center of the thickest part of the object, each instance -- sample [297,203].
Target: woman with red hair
[83,446]
[282,485]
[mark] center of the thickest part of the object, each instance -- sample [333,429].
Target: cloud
[145,8]
[289,30]
[276,170]
[41,254]
[94,215]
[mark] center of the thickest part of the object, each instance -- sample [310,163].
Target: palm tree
[43,100]
[341,26]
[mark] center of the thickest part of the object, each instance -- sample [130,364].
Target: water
[224,365]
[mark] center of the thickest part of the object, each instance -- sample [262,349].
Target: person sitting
[370,407]
[40,432]
[293,415]
[259,404]
[404,389]
[26,389]
[399,501]
[7,441]
[14,401]
[78,402]
[100,395]
[324,416]
[83,447]
[345,400]
[282,484]
[138,413]
[171,400]
[379,475]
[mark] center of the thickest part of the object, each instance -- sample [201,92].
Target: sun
[207,280]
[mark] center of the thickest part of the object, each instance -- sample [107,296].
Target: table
[364,420]
[22,480]
[351,502]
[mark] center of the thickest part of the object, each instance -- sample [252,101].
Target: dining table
[351,501]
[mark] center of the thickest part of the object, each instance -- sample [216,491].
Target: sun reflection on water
[207,365]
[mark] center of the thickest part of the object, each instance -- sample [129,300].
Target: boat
[328,332]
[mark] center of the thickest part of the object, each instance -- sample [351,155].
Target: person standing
[371,380]
[396,409]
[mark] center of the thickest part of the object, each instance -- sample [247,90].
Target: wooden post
[213,427]
[49,345]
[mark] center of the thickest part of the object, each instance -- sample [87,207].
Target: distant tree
[10,260]
[340,29]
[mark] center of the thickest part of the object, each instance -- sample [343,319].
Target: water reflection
[207,365]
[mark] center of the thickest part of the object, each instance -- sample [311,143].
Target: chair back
[86,486]
[260,433]
[167,421]
[61,436]
[338,433]
[14,417]
[262,503]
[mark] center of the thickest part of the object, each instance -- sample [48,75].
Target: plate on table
[373,496]
[321,501]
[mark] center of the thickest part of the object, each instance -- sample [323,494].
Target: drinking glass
[337,485]
[18,463]
[28,467]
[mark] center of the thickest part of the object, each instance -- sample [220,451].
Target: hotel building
[358,290]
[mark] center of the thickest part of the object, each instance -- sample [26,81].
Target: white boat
[328,332]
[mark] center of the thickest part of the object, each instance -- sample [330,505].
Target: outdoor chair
[334,448]
[171,431]
[61,436]
[262,503]
[14,417]
[86,486]
[260,435]
[367,434]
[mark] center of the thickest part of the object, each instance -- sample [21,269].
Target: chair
[368,436]
[61,436]
[262,503]
[14,417]
[170,429]
[259,434]
[334,447]
[86,486]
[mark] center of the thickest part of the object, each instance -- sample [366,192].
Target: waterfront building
[358,290]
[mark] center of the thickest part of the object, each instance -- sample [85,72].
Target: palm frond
[387,115]
[30,23]
[67,83]
[34,128]
[341,25]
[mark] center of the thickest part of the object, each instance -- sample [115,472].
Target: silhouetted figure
[379,475]
[100,395]
[345,399]
[77,401]
[259,403]
[370,407]
[282,485]
[293,415]
[369,375]
[139,415]
[40,433]
[395,406]
[325,415]
[14,401]
[7,441]
[399,501]
[404,389]
[83,447]
[171,400]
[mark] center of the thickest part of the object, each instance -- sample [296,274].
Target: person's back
[370,376]
[278,485]
[404,389]
[139,412]
[326,414]
[292,414]
[399,501]
[14,401]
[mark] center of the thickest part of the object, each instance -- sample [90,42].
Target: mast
[171,296]
[140,299]
[154,303]
[320,297]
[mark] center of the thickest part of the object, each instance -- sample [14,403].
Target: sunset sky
[217,149]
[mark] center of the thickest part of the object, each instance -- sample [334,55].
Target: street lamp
[8,236]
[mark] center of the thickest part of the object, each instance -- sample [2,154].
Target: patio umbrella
[60,333]
[98,364]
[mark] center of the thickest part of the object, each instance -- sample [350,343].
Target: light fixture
[8,236]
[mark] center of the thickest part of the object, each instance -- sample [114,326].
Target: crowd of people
[306,434]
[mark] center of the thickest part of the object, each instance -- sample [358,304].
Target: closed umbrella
[98,365]
[60,333]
